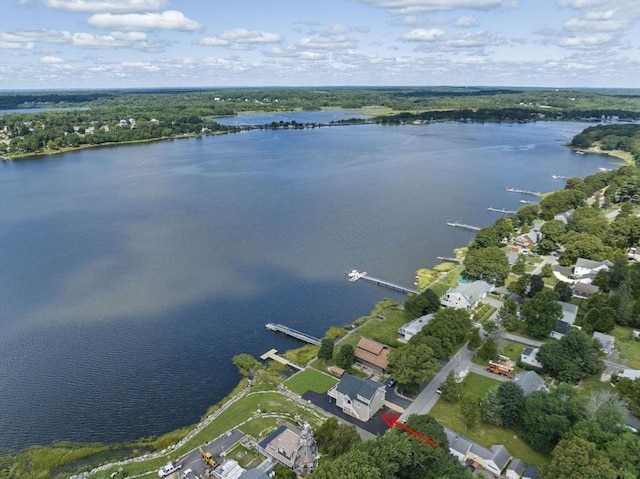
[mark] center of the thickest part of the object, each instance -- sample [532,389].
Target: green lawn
[247,458]
[448,414]
[449,281]
[512,350]
[384,330]
[628,346]
[310,380]
[592,385]
[302,355]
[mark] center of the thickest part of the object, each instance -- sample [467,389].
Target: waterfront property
[293,448]
[372,354]
[466,295]
[359,398]
[409,330]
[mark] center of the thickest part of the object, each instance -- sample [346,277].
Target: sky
[225,43]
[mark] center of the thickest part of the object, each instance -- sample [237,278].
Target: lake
[131,275]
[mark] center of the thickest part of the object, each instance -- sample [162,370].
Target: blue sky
[187,43]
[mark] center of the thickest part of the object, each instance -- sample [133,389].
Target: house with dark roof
[531,472]
[606,342]
[372,354]
[458,445]
[569,313]
[359,398]
[584,290]
[254,474]
[529,382]
[494,459]
[466,295]
[515,469]
[529,357]
[291,447]
[560,330]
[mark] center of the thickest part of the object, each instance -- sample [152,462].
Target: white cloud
[587,42]
[51,60]
[134,40]
[240,39]
[169,20]
[111,6]
[466,22]
[473,40]
[410,7]
[326,43]
[8,45]
[423,35]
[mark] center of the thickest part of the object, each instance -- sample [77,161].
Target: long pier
[524,192]
[559,177]
[501,210]
[464,226]
[356,275]
[293,333]
[452,260]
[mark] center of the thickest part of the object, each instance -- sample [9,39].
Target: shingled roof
[372,352]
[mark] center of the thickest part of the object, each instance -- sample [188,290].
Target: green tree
[582,245]
[334,439]
[511,399]
[246,364]
[283,472]
[554,231]
[508,315]
[491,408]
[520,286]
[421,304]
[345,357]
[572,358]
[474,339]
[450,326]
[488,350]
[326,349]
[541,313]
[353,464]
[537,285]
[470,411]
[451,390]
[489,264]
[578,459]
[564,291]
[412,365]
[546,271]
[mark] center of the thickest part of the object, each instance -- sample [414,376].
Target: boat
[604,169]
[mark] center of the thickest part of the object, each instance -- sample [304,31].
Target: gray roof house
[584,290]
[458,445]
[560,330]
[585,269]
[564,217]
[515,469]
[529,357]
[531,472]
[466,295]
[409,330]
[254,474]
[494,459]
[529,382]
[606,341]
[359,398]
[569,312]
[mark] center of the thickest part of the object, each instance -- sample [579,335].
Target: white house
[515,470]
[359,398]
[466,295]
[585,269]
[632,374]
[409,330]
[564,217]
[606,342]
[494,459]
[529,357]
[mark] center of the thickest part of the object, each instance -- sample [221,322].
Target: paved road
[526,341]
[428,396]
[476,369]
[193,461]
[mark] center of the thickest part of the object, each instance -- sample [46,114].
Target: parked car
[170,468]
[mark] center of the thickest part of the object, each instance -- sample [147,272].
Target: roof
[527,351]
[531,472]
[562,327]
[458,444]
[372,352]
[606,340]
[585,289]
[472,291]
[529,382]
[518,466]
[416,325]
[500,455]
[352,386]
[282,444]
[630,373]
[590,264]
[569,312]
[337,371]
[254,474]
[263,444]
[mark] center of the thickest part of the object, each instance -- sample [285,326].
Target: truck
[170,468]
[207,458]
[502,366]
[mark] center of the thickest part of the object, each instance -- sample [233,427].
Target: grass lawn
[512,350]
[591,385]
[450,280]
[302,355]
[247,458]
[628,346]
[310,380]
[384,330]
[448,414]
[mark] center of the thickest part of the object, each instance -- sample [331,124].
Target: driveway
[193,461]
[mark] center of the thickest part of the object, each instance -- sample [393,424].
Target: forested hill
[90,118]
[625,137]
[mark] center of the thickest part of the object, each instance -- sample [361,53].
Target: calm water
[130,276]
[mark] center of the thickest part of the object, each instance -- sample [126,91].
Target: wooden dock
[272,354]
[524,192]
[293,333]
[501,210]
[354,276]
[464,226]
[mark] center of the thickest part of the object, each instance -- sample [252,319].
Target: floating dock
[524,192]
[355,275]
[293,333]
[501,210]
[464,226]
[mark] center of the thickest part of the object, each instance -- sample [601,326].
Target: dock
[524,192]
[464,226]
[280,328]
[272,354]
[526,202]
[501,210]
[452,260]
[355,275]
[559,177]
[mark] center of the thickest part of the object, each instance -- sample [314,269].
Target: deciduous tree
[541,313]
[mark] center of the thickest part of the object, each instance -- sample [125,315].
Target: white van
[169,469]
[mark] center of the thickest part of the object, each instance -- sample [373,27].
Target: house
[529,382]
[494,459]
[229,469]
[527,240]
[531,472]
[569,312]
[409,330]
[336,371]
[564,217]
[606,341]
[560,330]
[359,398]
[584,290]
[466,295]
[372,354]
[528,357]
[516,469]
[254,474]
[458,446]
[585,269]
[293,448]
[632,374]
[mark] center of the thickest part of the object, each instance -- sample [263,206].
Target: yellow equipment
[208,459]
